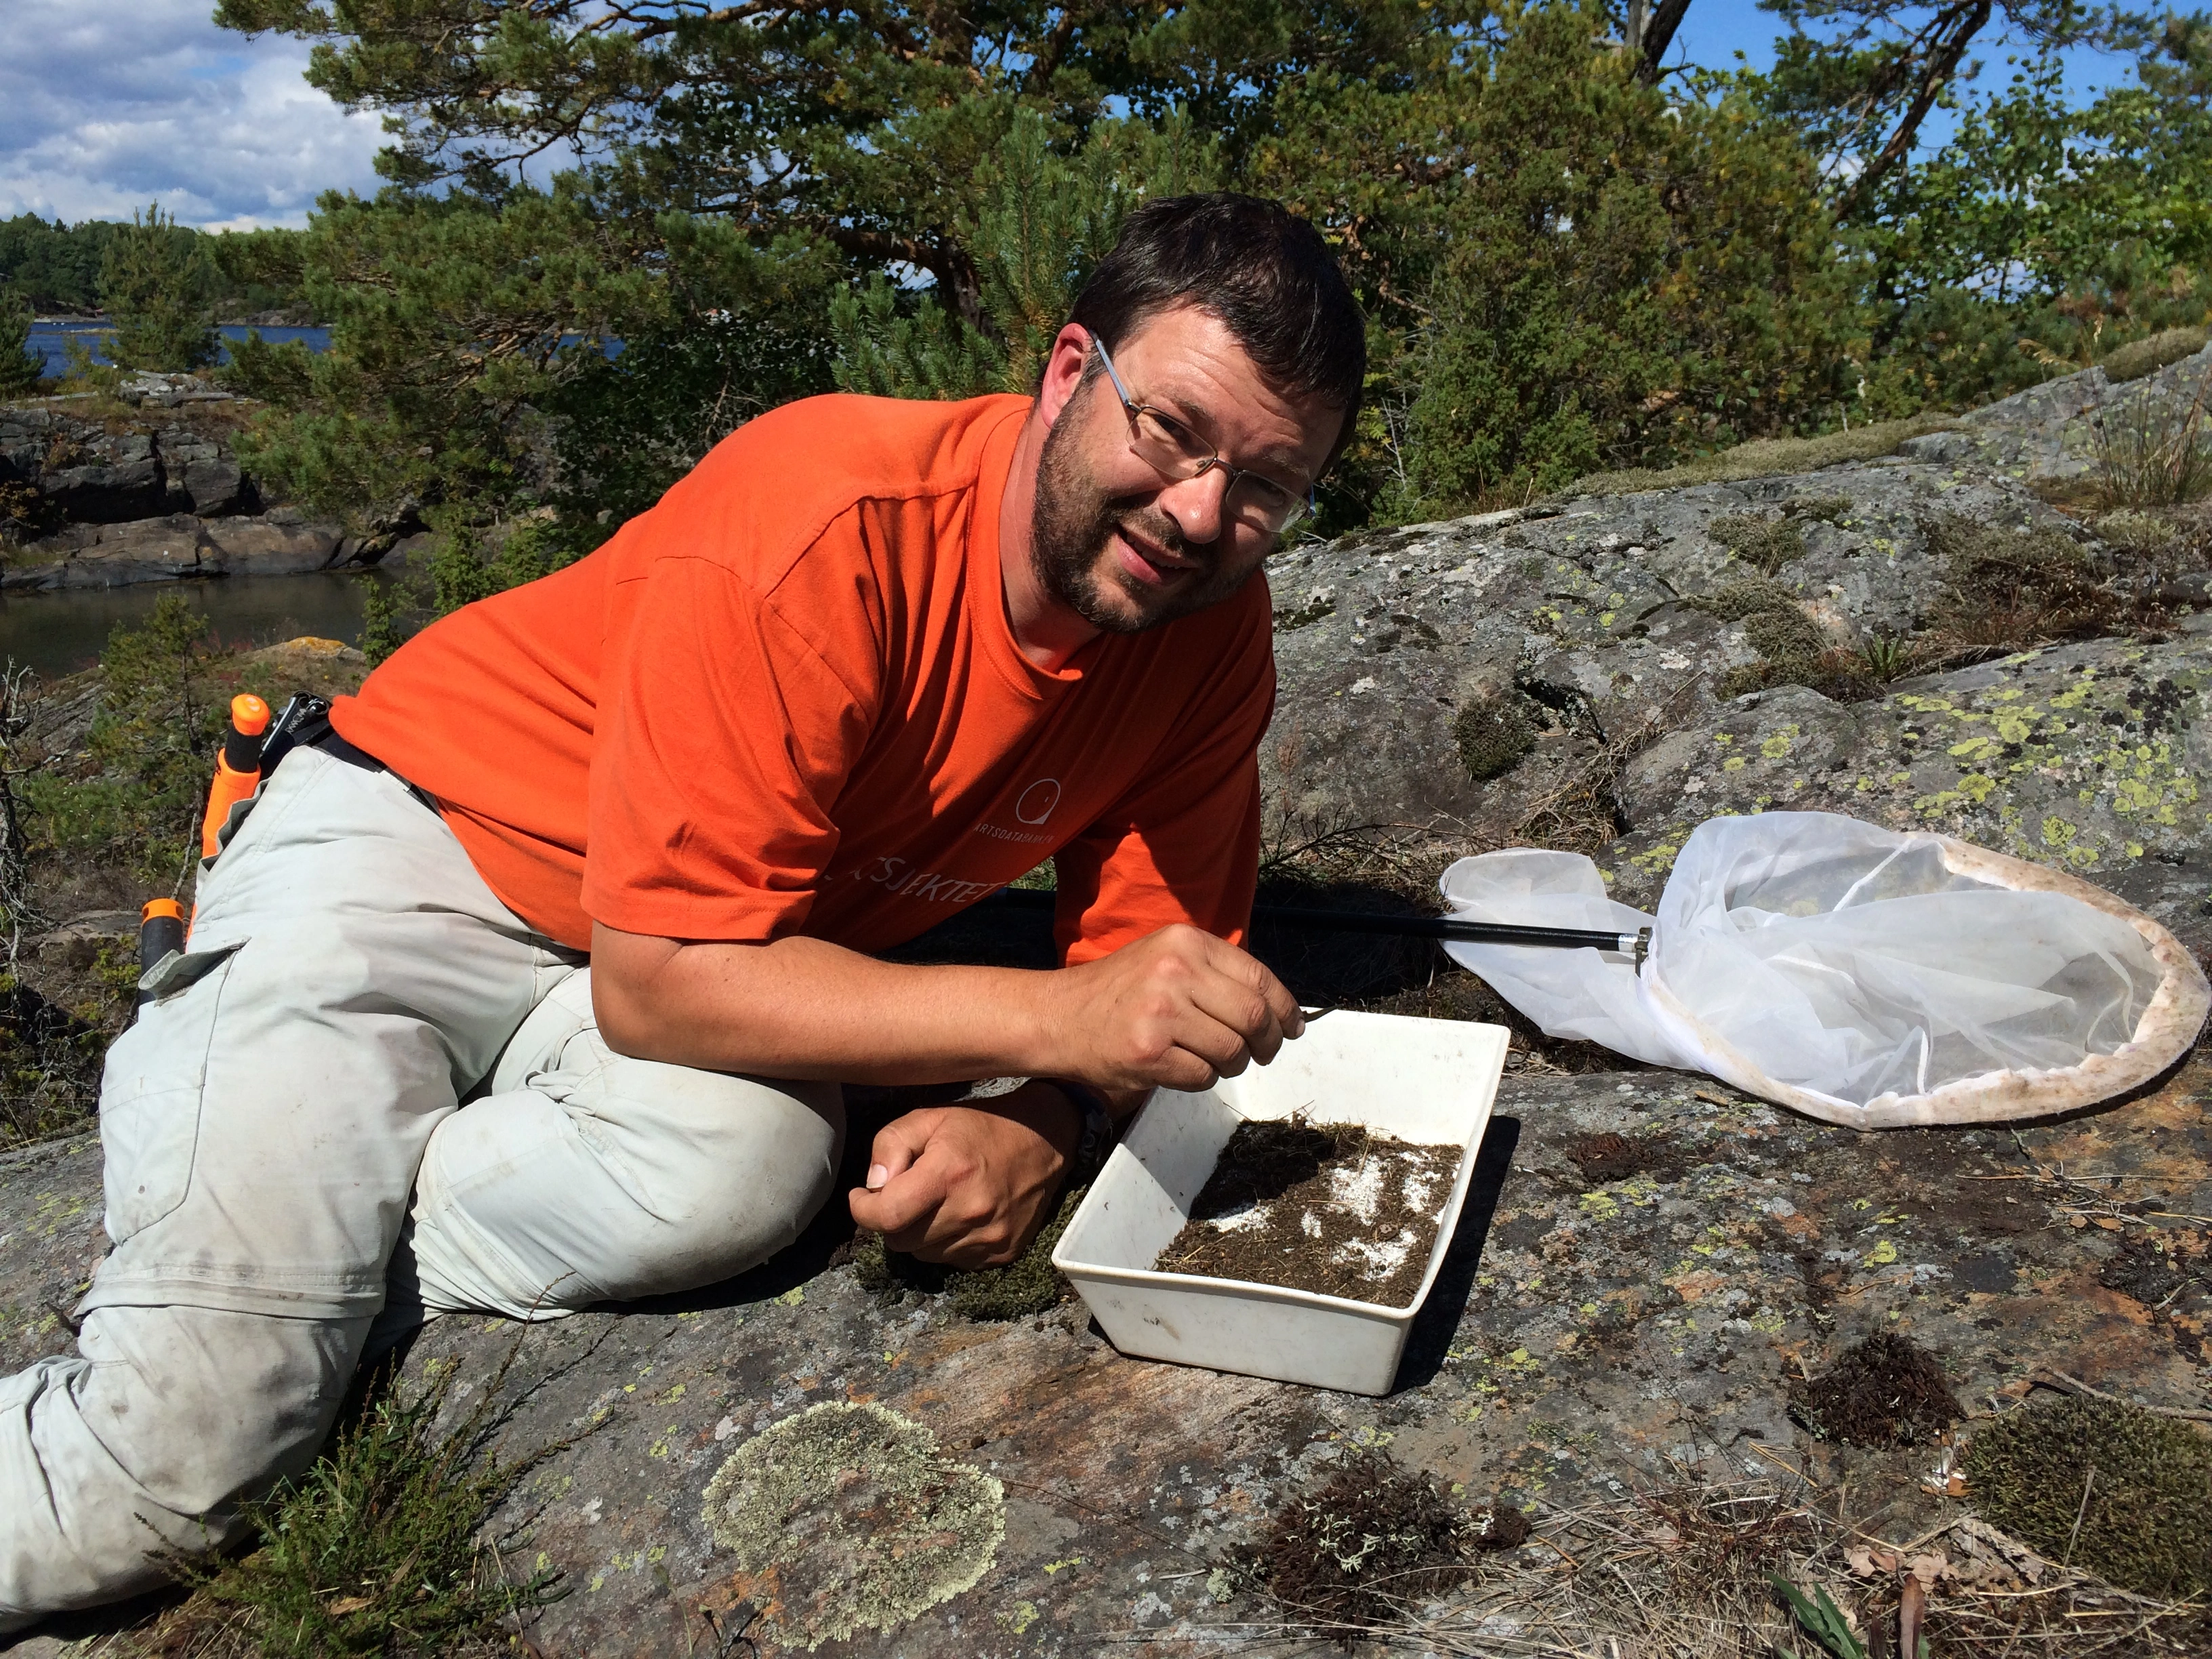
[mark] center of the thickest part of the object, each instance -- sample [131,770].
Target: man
[530,986]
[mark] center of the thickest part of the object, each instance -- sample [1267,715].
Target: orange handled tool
[237,769]
[160,930]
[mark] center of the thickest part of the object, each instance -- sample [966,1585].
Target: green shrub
[376,1549]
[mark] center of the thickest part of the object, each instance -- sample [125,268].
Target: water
[60,633]
[47,338]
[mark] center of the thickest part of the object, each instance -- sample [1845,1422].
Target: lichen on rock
[846,1518]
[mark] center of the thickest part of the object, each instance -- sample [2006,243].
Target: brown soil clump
[1884,1391]
[1327,1207]
[1370,1546]
[1608,1158]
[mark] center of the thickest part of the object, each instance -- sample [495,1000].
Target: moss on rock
[1765,545]
[2103,1486]
[848,1519]
[2147,356]
[1028,1285]
[1493,735]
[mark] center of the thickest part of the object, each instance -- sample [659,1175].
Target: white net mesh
[1806,952]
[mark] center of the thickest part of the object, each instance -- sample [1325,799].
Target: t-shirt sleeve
[1183,846]
[724,740]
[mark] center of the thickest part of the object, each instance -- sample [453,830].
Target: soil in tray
[1330,1207]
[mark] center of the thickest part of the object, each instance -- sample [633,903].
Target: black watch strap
[1099,1134]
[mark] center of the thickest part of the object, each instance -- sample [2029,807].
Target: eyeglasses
[1174,450]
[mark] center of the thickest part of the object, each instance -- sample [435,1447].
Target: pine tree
[21,368]
[159,290]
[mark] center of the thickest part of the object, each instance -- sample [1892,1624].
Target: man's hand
[1179,1009]
[967,1185]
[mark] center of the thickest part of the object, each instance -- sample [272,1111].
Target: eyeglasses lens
[1179,453]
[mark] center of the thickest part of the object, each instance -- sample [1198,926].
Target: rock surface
[160,497]
[1589,1337]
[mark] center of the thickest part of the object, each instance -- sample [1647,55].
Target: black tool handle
[1367,921]
[160,933]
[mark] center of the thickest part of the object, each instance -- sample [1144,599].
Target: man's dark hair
[1264,272]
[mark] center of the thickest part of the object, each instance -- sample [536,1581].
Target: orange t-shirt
[788,701]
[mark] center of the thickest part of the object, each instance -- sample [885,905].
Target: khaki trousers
[363,1051]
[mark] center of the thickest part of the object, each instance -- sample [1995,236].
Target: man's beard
[1070,525]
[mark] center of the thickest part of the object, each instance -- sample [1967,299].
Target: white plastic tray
[1429,1081]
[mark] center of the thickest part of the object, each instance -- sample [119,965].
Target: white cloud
[108,105]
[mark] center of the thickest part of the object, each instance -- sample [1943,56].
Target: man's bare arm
[1177,1009]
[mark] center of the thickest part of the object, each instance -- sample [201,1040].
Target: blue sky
[106,104]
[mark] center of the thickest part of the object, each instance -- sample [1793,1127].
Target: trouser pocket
[151,1092]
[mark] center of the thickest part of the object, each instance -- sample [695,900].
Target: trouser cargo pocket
[151,1089]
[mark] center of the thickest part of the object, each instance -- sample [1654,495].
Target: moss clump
[1826,508]
[1767,457]
[1747,598]
[1765,544]
[863,1524]
[2146,1524]
[1884,1391]
[2147,356]
[1373,1544]
[1792,650]
[1493,735]
[1028,1285]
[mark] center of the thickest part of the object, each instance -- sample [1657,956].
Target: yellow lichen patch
[1778,746]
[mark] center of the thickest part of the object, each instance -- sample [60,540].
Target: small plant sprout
[1823,1620]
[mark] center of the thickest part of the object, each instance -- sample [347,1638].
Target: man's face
[1127,548]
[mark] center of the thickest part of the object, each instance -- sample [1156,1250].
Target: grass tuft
[2153,453]
[376,1549]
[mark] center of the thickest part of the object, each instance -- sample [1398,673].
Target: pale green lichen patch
[848,1518]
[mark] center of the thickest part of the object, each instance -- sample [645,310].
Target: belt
[328,740]
[309,727]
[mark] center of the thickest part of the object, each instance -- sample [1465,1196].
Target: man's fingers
[911,1196]
[896,1147]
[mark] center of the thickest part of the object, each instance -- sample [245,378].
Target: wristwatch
[1099,1134]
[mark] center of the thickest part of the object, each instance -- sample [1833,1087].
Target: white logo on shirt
[1036,801]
